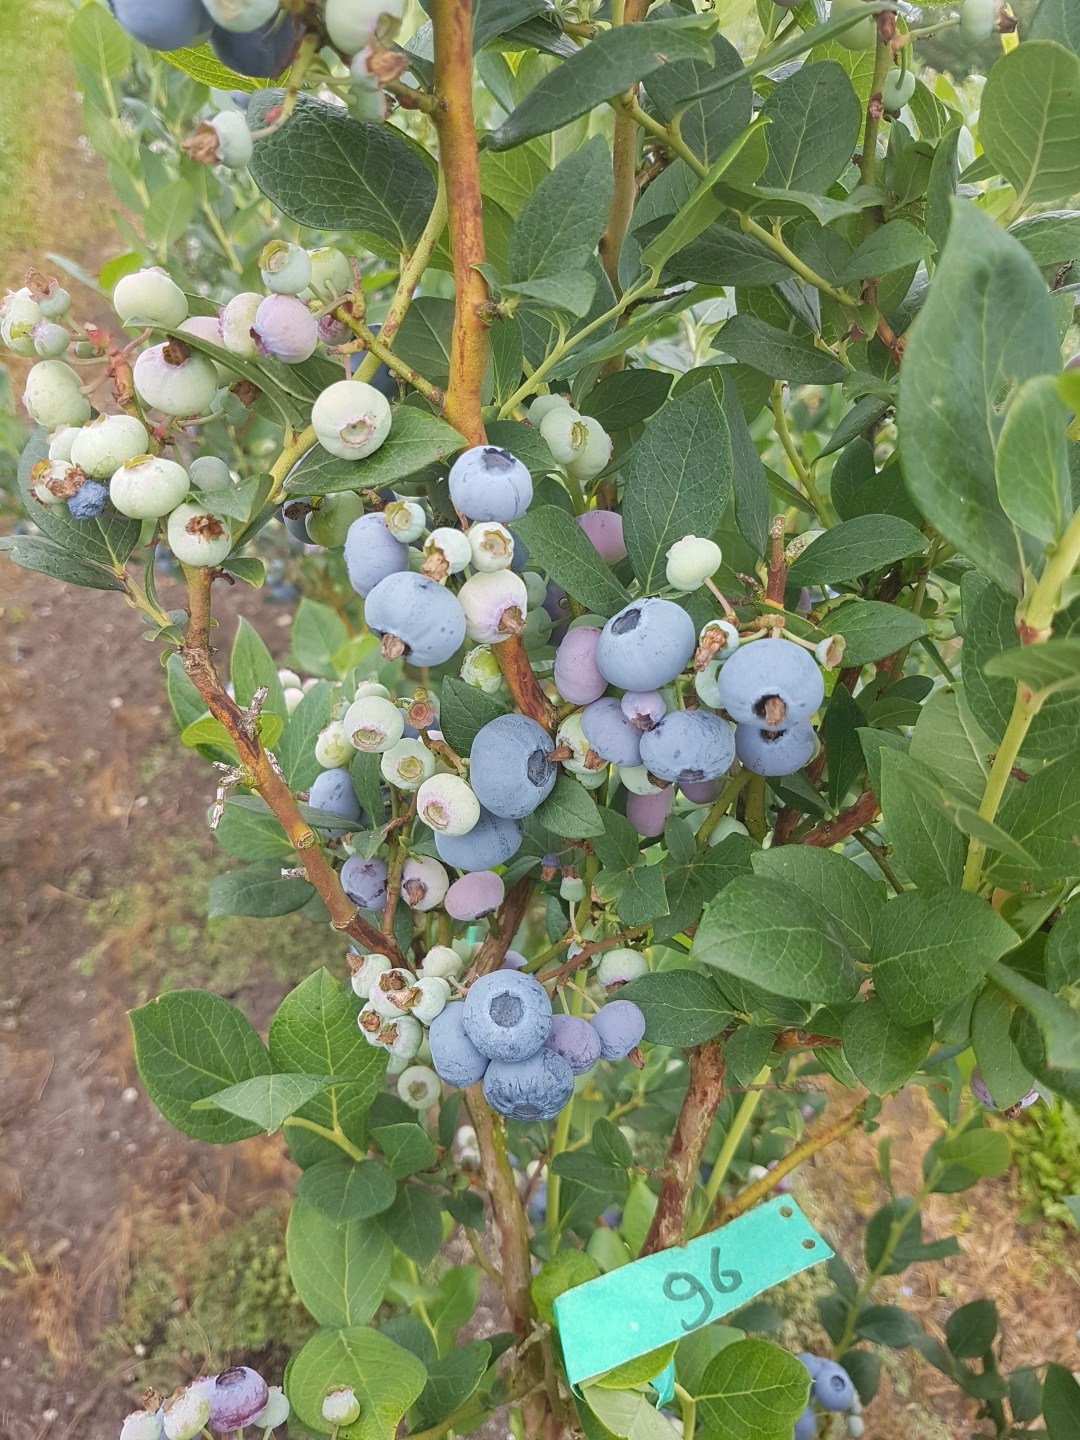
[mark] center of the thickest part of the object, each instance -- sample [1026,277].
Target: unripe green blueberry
[536,590]
[62,440]
[619,967]
[235,145]
[19,317]
[407,764]
[142,1425]
[571,734]
[430,999]
[174,380]
[691,561]
[341,1407]
[365,975]
[572,888]
[50,340]
[292,695]
[858,37]
[405,519]
[351,419]
[898,89]
[185,1413]
[237,318]
[328,524]
[197,537]
[725,826]
[446,552]
[565,434]
[108,442]
[593,779]
[402,1036]
[705,683]
[596,454]
[481,670]
[275,1412]
[636,779]
[419,1086]
[287,677]
[150,297]
[856,1427]
[352,24]
[371,687]
[211,475]
[285,268]
[447,804]
[365,98]
[544,404]
[333,748]
[977,20]
[495,606]
[443,961]
[492,547]
[331,274]
[373,724]
[55,302]
[53,395]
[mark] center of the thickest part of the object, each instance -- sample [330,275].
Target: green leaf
[565,1270]
[997,1057]
[169,214]
[99,43]
[910,1249]
[706,126]
[558,229]
[33,552]
[1056,20]
[624,1413]
[406,1146]
[559,548]
[573,292]
[883,1053]
[1061,1402]
[984,1152]
[464,711]
[691,884]
[946,740]
[257,891]
[927,844]
[1052,238]
[268,1100]
[250,666]
[604,68]
[863,413]
[385,1378]
[746,1052]
[589,1185]
[414,1223]
[1032,460]
[752,1389]
[416,439]
[815,121]
[851,896]
[774,935]
[777,353]
[1029,122]
[329,172]
[1059,1024]
[856,547]
[970,1331]
[1063,950]
[451,1380]
[570,811]
[930,950]
[314,1032]
[190,1045]
[840,736]
[345,1190]
[986,324]
[204,66]
[677,480]
[296,749]
[627,398]
[897,245]
[318,632]
[681,1007]
[1047,669]
[643,897]
[1043,816]
[873,630]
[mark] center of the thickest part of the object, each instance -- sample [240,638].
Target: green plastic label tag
[650,1302]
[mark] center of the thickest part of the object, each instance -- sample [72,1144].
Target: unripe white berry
[62,440]
[402,1036]
[19,315]
[431,999]
[208,328]
[333,748]
[829,652]
[53,395]
[341,1407]
[50,340]
[544,404]
[636,779]
[419,1086]
[424,883]
[725,633]
[237,318]
[235,144]
[211,475]
[285,268]
[364,978]
[405,519]
[481,670]
[443,961]
[186,1413]
[351,419]
[108,442]
[148,486]
[571,734]
[447,804]
[275,1412]
[373,724]
[389,992]
[331,274]
[707,687]
[197,537]
[371,687]
[619,967]
[446,552]
[691,561]
[572,888]
[292,695]
[407,764]
[150,297]
[565,433]
[725,826]
[492,547]
[594,457]
[352,24]
[142,1425]
[288,677]
[495,606]
[52,482]
[187,388]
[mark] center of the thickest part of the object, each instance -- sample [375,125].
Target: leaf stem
[754,808]
[1025,707]
[721,805]
[736,1130]
[791,450]
[336,1135]
[688,1411]
[868,158]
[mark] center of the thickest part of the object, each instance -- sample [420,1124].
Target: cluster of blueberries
[224,1404]
[832,1390]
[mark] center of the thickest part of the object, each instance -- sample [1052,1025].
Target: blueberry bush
[683,394]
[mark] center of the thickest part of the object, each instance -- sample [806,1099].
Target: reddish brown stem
[703,1096]
[524,686]
[624,170]
[460,162]
[831,832]
[774,591]
[265,777]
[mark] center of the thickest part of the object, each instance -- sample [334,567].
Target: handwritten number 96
[680,1285]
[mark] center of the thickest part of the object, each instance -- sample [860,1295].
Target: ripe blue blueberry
[491,841]
[507,1015]
[575,1040]
[771,683]
[237,1396]
[805,1426]
[532,1089]
[163,24]
[490,484]
[509,769]
[810,1362]
[455,1057]
[620,1025]
[332,790]
[832,1387]
[417,619]
[688,745]
[89,501]
[610,733]
[645,645]
[364,881]
[261,53]
[775,752]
